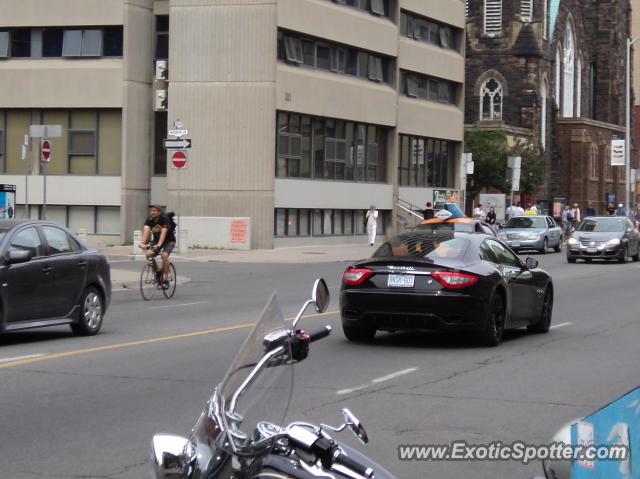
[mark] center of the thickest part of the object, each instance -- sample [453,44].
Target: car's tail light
[453,280]
[354,276]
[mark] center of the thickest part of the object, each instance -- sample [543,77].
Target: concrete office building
[302,113]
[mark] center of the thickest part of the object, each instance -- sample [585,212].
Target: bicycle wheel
[148,284]
[170,290]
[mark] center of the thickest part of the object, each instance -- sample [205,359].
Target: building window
[543,115]
[162,37]
[526,10]
[568,91]
[318,222]
[82,142]
[52,42]
[113,40]
[492,17]
[304,51]
[82,43]
[491,100]
[102,220]
[4,44]
[329,149]
[428,31]
[592,90]
[425,162]
[375,7]
[416,85]
[20,43]
[160,154]
[579,88]
[545,19]
[557,78]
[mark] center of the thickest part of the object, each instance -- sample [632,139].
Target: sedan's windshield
[449,226]
[603,225]
[414,245]
[526,222]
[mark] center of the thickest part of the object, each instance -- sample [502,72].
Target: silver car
[537,232]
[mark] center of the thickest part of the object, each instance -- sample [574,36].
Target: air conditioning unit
[162,70]
[161,102]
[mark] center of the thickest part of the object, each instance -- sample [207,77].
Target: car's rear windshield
[526,222]
[448,226]
[411,245]
[603,225]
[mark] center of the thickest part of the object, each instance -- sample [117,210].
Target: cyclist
[159,231]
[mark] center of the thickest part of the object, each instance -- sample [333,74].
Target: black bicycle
[151,280]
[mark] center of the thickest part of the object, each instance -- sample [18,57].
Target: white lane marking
[393,375]
[178,305]
[561,325]
[350,390]
[381,379]
[18,358]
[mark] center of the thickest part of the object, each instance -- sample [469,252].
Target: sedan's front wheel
[492,334]
[90,314]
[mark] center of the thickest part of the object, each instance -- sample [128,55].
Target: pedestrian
[590,211]
[621,211]
[637,215]
[372,224]
[519,210]
[491,216]
[567,221]
[611,209]
[533,208]
[479,213]
[428,211]
[575,212]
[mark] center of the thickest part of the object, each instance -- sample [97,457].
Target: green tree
[532,164]
[490,151]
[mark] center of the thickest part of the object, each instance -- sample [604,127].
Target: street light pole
[627,149]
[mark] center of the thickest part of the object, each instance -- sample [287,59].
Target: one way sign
[180,144]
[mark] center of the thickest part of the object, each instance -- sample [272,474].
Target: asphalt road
[88,407]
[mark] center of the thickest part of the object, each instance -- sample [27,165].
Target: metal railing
[408,216]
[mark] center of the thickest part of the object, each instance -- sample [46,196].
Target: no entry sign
[45,150]
[179,159]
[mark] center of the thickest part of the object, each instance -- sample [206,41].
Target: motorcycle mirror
[320,295]
[355,425]
[170,456]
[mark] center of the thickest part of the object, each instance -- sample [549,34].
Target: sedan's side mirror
[15,256]
[531,263]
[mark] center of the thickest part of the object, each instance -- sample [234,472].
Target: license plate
[592,250]
[515,244]
[400,281]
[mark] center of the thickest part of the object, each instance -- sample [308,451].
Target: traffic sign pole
[45,157]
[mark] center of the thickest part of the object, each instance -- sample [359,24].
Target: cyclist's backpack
[172,225]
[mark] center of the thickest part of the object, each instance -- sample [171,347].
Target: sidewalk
[298,254]
[125,279]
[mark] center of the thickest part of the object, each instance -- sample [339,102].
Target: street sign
[178,133]
[180,144]
[617,153]
[45,150]
[45,131]
[179,160]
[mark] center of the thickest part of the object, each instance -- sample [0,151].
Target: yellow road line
[142,342]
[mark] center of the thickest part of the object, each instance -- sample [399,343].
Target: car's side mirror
[15,256]
[531,263]
[320,295]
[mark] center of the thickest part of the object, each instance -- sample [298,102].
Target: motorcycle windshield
[253,398]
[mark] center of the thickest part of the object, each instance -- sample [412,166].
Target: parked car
[448,281]
[537,232]
[49,278]
[461,225]
[604,237]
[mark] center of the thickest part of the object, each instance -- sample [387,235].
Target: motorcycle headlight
[572,241]
[613,242]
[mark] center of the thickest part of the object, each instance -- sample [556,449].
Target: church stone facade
[553,71]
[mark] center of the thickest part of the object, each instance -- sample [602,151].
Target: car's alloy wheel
[545,246]
[625,254]
[544,321]
[558,247]
[492,334]
[91,312]
[358,334]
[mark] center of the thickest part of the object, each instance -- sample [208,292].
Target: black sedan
[604,237]
[445,281]
[50,278]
